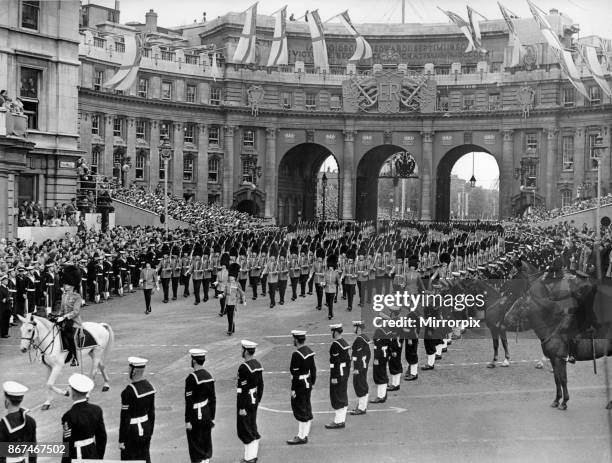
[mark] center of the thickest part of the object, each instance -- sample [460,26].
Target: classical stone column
[605,162]
[177,160]
[106,163]
[552,169]
[270,176]
[228,166]
[153,161]
[426,178]
[131,149]
[41,189]
[348,176]
[202,167]
[506,174]
[579,159]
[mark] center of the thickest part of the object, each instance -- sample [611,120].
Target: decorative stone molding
[229,130]
[310,136]
[507,134]
[427,136]
[349,135]
[271,132]
[551,132]
[388,137]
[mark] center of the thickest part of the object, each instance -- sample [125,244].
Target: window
[29,14]
[95,159]
[140,164]
[532,142]
[494,101]
[531,176]
[213,199]
[188,169]
[28,92]
[120,45]
[162,167]
[95,124]
[141,129]
[213,135]
[569,97]
[285,100]
[117,156]
[468,102]
[248,138]
[213,170]
[335,102]
[215,95]
[311,101]
[192,59]
[164,131]
[143,87]
[168,55]
[593,151]
[117,127]
[248,165]
[566,198]
[595,95]
[98,80]
[190,94]
[188,133]
[568,152]
[166,90]
[443,103]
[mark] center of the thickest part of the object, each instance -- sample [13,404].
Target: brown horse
[550,321]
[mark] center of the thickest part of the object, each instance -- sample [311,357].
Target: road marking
[327,412]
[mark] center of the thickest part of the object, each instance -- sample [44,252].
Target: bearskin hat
[264,248]
[294,249]
[343,249]
[197,250]
[332,261]
[399,254]
[242,252]
[413,261]
[233,270]
[283,252]
[216,248]
[164,250]
[255,248]
[445,258]
[320,253]
[71,275]
[225,259]
[350,254]
[273,250]
[424,249]
[362,251]
[233,252]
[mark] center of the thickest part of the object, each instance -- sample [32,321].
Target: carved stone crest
[530,59]
[525,97]
[255,96]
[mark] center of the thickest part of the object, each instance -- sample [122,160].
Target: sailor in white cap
[17,425]
[83,424]
[361,355]
[249,393]
[303,378]
[200,408]
[339,372]
[137,414]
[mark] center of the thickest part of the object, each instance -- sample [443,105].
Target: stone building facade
[254,138]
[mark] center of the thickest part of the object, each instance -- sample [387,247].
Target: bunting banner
[604,50]
[517,47]
[319,48]
[245,50]
[589,56]
[279,54]
[363,49]
[464,26]
[564,57]
[475,30]
[126,76]
[214,68]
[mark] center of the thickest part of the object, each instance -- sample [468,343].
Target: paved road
[459,412]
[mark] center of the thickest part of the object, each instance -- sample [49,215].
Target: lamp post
[600,149]
[166,152]
[324,185]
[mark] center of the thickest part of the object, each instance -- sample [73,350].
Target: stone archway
[443,178]
[297,182]
[250,200]
[368,171]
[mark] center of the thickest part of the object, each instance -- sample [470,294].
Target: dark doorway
[248,206]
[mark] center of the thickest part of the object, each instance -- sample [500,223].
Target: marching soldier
[331,283]
[232,296]
[270,273]
[215,266]
[17,426]
[83,424]
[175,264]
[263,256]
[396,344]
[249,393]
[137,414]
[362,276]
[200,408]
[361,355]
[254,265]
[305,274]
[283,275]
[349,278]
[222,280]
[414,285]
[206,277]
[294,272]
[186,270]
[197,271]
[243,274]
[340,368]
[303,377]
[317,274]
[165,272]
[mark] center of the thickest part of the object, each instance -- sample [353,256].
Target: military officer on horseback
[69,314]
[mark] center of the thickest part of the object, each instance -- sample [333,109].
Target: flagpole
[280,9]
[403,11]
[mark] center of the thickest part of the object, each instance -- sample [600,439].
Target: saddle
[82,340]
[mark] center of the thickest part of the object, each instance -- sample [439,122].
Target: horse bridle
[31,342]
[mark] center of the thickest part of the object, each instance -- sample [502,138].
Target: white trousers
[304,429]
[431,359]
[439,348]
[340,415]
[362,404]
[251,450]
[381,391]
[414,369]
[395,379]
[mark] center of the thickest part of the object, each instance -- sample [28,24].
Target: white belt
[306,376]
[199,407]
[82,443]
[139,421]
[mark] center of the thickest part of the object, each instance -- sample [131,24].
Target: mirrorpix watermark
[424,315]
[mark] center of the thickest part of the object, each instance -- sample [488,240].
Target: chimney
[554,11]
[151,22]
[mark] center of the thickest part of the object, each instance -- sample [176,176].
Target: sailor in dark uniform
[249,393]
[303,377]
[379,368]
[83,424]
[200,407]
[361,355]
[137,414]
[340,368]
[17,426]
[396,344]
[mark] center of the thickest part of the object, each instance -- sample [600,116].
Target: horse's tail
[111,338]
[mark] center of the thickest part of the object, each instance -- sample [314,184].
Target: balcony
[13,125]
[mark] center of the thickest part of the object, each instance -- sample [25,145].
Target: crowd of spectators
[540,213]
[207,216]
[13,105]
[31,214]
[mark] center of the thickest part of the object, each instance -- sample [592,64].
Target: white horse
[42,335]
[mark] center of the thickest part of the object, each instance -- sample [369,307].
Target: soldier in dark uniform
[38,291]
[109,278]
[200,408]
[21,295]
[133,270]
[249,393]
[83,424]
[17,426]
[100,278]
[340,368]
[165,272]
[30,287]
[303,377]
[396,344]
[379,368]
[84,280]
[5,307]
[69,314]
[91,279]
[361,355]
[414,285]
[207,275]
[349,278]
[137,414]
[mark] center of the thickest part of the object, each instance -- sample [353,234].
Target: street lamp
[324,185]
[472,179]
[599,149]
[166,152]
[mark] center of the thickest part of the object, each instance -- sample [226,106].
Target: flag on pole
[589,56]
[517,47]
[278,52]
[464,26]
[214,68]
[125,77]
[475,30]
[245,50]
[363,49]
[319,48]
